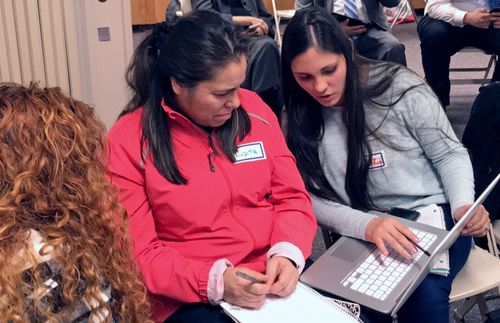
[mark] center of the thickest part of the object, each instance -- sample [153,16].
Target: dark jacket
[255,8]
[373,8]
[482,138]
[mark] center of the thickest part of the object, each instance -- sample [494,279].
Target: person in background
[255,23]
[204,171]
[371,135]
[372,39]
[447,27]
[482,138]
[64,251]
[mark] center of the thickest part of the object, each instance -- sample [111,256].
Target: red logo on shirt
[378,160]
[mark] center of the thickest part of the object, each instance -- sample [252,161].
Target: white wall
[103,64]
[56,43]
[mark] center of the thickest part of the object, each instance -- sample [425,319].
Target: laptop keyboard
[378,274]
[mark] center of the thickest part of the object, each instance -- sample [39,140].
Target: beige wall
[103,64]
[55,42]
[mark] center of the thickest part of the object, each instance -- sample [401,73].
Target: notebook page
[303,305]
[433,215]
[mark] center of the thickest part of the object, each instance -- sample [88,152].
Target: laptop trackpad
[349,250]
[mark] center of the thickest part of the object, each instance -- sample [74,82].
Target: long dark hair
[314,27]
[190,51]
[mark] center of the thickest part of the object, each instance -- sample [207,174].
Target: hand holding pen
[388,232]
[245,287]
[249,278]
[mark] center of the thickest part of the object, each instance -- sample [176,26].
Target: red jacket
[234,211]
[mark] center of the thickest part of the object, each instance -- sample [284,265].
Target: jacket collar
[171,113]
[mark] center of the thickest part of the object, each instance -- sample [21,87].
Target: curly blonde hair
[52,181]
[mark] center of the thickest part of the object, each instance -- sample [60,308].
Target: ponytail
[140,72]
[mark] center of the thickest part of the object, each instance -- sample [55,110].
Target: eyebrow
[224,91]
[334,65]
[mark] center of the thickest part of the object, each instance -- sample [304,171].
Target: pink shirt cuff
[290,251]
[215,291]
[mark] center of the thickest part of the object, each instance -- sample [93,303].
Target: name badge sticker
[250,152]
[378,160]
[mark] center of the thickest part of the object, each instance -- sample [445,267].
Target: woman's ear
[176,86]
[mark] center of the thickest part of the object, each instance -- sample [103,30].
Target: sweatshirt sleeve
[165,271]
[430,126]
[340,218]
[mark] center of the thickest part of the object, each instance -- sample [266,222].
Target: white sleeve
[444,10]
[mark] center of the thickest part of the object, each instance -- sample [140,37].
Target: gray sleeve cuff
[342,219]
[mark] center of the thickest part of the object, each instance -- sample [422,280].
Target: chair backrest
[494,239]
[404,7]
[185,6]
[285,11]
[329,237]
[486,69]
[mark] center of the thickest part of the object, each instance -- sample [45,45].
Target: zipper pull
[212,151]
[212,167]
[211,145]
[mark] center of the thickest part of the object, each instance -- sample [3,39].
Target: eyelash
[326,72]
[226,93]
[223,94]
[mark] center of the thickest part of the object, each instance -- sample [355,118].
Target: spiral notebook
[303,305]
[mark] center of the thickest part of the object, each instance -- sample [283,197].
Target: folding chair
[285,14]
[480,274]
[404,7]
[496,235]
[486,69]
[185,7]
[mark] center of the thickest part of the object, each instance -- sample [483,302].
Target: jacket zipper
[230,187]
[211,153]
[211,162]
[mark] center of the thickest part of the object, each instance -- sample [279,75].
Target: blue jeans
[429,303]
[199,312]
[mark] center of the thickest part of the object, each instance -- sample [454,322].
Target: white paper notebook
[433,215]
[303,305]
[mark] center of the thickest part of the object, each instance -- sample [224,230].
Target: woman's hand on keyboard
[478,225]
[388,232]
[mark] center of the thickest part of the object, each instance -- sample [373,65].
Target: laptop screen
[460,225]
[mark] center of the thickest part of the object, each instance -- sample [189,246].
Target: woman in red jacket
[205,174]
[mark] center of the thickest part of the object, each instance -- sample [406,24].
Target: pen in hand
[421,249]
[248,277]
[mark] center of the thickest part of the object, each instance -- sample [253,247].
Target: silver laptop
[357,271]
